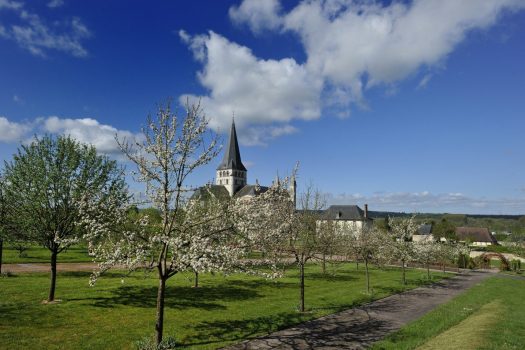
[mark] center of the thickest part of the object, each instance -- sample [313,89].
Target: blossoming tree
[401,246]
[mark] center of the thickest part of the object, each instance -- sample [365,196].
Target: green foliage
[445,229]
[43,184]
[516,265]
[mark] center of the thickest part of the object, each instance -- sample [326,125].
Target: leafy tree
[43,185]
[445,229]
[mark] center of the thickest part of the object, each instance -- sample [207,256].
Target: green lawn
[491,315]
[115,313]
[37,254]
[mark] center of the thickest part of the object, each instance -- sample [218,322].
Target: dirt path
[358,328]
[18,268]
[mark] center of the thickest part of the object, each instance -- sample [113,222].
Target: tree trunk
[443,267]
[357,264]
[324,263]
[196,284]
[367,277]
[428,270]
[54,254]
[159,325]
[301,269]
[404,273]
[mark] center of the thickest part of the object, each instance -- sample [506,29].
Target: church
[231,176]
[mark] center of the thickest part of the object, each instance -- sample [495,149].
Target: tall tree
[43,185]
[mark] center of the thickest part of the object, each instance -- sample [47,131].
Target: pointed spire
[232,155]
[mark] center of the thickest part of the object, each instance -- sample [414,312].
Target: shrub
[515,265]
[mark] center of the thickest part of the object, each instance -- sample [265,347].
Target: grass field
[117,312]
[37,254]
[490,315]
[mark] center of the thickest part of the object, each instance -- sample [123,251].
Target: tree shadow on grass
[177,297]
[237,330]
[339,277]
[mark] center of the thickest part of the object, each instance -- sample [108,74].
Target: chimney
[366,211]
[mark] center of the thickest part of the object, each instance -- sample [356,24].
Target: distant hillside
[384,214]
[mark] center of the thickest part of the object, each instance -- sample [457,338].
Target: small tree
[192,235]
[365,243]
[426,252]
[303,240]
[43,185]
[401,247]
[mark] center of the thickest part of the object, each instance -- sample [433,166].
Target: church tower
[231,173]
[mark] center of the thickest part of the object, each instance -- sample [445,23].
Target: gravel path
[359,327]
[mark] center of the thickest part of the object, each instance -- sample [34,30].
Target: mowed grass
[37,254]
[491,315]
[225,309]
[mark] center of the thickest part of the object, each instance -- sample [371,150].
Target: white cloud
[84,130]
[33,34]
[350,46]
[12,131]
[426,201]
[258,91]
[258,15]
[55,3]
[88,130]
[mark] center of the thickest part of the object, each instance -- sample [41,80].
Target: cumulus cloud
[32,33]
[12,131]
[88,130]
[426,201]
[350,47]
[258,15]
[258,91]
[85,130]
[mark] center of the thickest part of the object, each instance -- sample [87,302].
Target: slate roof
[425,229]
[345,212]
[475,234]
[232,155]
[204,192]
[250,190]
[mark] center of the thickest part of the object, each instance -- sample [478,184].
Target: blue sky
[404,105]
